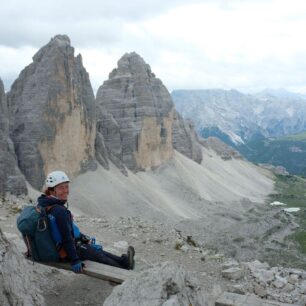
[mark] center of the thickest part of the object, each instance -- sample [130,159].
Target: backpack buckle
[41,224]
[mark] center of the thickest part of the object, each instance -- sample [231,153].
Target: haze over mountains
[250,123]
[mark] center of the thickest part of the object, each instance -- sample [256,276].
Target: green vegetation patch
[291,190]
[300,237]
[294,137]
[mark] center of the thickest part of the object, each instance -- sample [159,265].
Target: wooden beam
[98,270]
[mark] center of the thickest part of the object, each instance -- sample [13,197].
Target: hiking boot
[130,256]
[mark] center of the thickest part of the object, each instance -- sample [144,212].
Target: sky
[248,45]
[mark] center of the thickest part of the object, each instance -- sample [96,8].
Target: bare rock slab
[167,284]
[233,273]
[17,282]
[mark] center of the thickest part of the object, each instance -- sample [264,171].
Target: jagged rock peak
[135,115]
[58,42]
[61,40]
[131,64]
[52,113]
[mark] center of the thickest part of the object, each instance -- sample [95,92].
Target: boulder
[52,113]
[280,282]
[233,273]
[163,285]
[11,179]
[18,285]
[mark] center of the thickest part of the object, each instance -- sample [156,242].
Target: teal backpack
[34,225]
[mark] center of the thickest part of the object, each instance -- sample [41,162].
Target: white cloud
[12,61]
[196,44]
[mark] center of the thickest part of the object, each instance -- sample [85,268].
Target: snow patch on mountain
[236,139]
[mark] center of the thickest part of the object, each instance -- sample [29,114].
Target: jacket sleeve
[64,223]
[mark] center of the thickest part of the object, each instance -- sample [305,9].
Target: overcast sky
[244,44]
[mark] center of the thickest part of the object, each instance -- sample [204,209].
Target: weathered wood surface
[98,270]
[233,299]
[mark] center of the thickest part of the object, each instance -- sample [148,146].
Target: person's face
[61,191]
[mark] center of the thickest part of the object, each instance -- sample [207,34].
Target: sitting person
[72,249]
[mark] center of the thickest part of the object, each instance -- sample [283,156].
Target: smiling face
[61,191]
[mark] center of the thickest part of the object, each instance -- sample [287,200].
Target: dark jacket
[63,219]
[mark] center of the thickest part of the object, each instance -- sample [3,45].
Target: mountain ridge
[246,121]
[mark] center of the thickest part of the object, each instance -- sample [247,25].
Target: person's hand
[77,267]
[85,239]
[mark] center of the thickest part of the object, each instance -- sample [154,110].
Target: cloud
[87,22]
[194,44]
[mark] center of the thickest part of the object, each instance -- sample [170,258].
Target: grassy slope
[294,137]
[291,190]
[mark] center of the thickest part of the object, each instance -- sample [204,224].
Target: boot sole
[131,254]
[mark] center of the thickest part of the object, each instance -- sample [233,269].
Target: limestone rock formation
[52,113]
[17,283]
[137,119]
[185,139]
[11,179]
[135,115]
[165,285]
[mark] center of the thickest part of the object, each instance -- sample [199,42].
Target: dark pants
[87,252]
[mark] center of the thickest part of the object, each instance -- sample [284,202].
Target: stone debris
[225,151]
[277,284]
[233,273]
[121,245]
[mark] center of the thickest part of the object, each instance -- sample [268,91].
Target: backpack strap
[28,245]
[61,251]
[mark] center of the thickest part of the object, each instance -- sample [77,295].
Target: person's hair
[48,190]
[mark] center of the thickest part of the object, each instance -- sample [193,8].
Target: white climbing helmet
[56,177]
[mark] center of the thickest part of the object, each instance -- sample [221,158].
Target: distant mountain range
[254,124]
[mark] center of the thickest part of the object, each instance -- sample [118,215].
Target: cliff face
[185,139]
[52,113]
[136,117]
[11,179]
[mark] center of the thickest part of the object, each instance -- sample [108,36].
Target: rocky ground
[224,262]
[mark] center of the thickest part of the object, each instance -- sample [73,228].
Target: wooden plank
[98,270]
